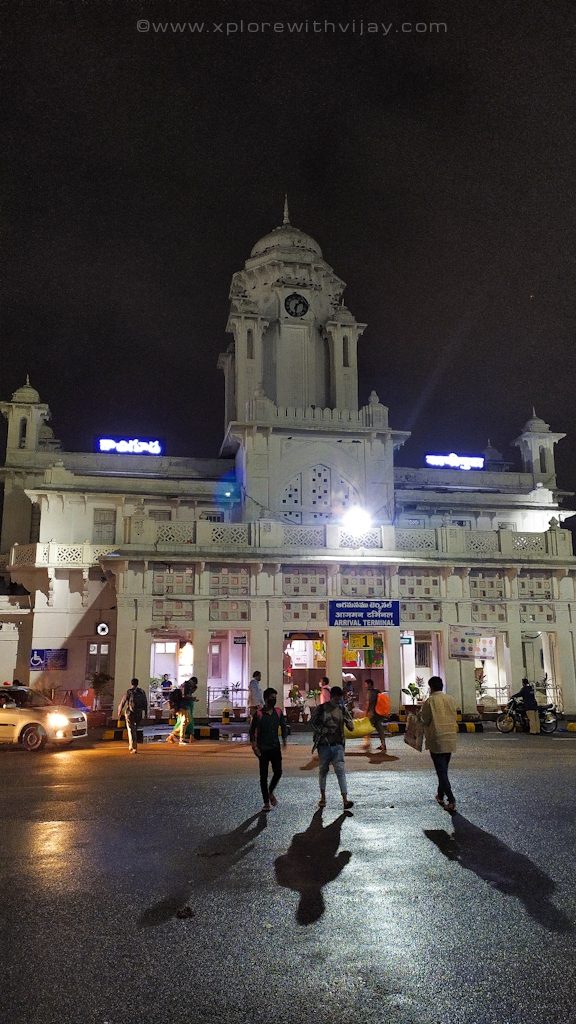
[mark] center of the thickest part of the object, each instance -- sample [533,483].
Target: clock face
[296,305]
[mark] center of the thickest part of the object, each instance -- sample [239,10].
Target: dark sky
[435,169]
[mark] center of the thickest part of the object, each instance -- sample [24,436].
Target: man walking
[374,709]
[266,723]
[133,706]
[438,716]
[328,723]
[255,695]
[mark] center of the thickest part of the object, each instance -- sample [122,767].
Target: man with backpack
[133,706]
[378,711]
[328,723]
[264,728]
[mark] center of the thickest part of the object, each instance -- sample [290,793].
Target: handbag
[414,734]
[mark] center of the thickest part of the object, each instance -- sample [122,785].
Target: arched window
[22,433]
[345,351]
[543,460]
[249,343]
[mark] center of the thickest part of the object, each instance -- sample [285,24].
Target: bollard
[226,716]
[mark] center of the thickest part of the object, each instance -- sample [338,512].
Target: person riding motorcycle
[529,706]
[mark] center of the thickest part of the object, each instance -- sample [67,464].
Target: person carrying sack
[378,711]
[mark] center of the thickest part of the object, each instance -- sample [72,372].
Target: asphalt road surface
[151,889]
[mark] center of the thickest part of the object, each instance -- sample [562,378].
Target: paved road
[398,913]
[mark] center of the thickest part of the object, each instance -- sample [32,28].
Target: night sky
[435,169]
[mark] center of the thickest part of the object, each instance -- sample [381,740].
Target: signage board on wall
[363,614]
[453,461]
[44,659]
[240,640]
[360,641]
[471,643]
[405,641]
[129,445]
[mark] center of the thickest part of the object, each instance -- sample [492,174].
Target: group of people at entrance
[268,730]
[134,707]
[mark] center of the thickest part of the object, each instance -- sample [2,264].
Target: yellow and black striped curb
[201,732]
[393,728]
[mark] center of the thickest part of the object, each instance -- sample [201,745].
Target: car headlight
[58,721]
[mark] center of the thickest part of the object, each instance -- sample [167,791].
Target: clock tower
[294,340]
[305,451]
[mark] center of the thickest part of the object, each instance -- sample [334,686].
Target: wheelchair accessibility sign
[45,659]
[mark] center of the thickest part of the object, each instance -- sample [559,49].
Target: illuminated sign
[454,461]
[129,446]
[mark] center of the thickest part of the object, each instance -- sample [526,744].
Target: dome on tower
[26,393]
[535,425]
[288,238]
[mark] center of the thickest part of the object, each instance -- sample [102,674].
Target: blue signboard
[363,614]
[44,659]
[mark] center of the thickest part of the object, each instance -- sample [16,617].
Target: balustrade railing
[270,535]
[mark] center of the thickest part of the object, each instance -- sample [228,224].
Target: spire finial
[534,413]
[286,213]
[27,380]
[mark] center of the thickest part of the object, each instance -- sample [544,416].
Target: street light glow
[357,520]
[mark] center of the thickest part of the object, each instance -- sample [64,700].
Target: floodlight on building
[357,520]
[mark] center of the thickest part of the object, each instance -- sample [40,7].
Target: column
[564,638]
[125,656]
[393,664]
[334,655]
[200,640]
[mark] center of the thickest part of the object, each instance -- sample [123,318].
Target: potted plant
[296,702]
[100,683]
[413,690]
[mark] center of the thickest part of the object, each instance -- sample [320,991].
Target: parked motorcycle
[513,717]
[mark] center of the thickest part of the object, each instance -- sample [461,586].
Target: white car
[30,718]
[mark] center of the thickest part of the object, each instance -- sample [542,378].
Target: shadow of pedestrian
[504,869]
[311,862]
[221,852]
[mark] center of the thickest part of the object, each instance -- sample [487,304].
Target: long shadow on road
[221,852]
[310,863]
[504,869]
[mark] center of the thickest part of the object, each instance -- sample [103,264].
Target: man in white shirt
[255,698]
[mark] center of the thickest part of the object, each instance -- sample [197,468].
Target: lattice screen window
[320,491]
[229,581]
[312,495]
[104,528]
[298,580]
[419,584]
[172,609]
[212,517]
[537,613]
[160,515]
[486,585]
[362,583]
[229,611]
[489,612]
[424,611]
[179,583]
[534,585]
[294,611]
